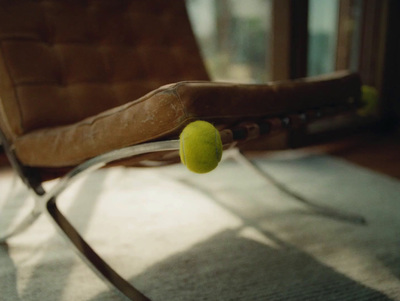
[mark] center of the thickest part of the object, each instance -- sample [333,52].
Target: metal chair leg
[46,202]
[90,257]
[237,156]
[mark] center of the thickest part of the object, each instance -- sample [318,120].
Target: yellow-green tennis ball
[369,98]
[200,146]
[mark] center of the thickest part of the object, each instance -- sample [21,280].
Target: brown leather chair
[84,84]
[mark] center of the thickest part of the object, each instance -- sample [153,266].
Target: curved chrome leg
[90,257]
[236,155]
[100,161]
[41,197]
[46,202]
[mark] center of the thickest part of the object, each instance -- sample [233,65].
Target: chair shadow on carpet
[14,201]
[230,267]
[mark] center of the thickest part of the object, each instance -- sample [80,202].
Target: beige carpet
[227,235]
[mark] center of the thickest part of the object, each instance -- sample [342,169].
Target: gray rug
[227,235]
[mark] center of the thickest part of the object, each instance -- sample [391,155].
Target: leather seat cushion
[162,114]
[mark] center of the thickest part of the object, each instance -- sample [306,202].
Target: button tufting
[124,49]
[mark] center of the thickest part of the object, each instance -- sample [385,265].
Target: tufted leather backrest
[64,60]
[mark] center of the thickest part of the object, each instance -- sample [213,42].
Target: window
[234,38]
[260,40]
[322,36]
[255,41]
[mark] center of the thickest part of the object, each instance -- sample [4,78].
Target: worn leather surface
[80,78]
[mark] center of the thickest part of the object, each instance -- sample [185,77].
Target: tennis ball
[369,98]
[200,146]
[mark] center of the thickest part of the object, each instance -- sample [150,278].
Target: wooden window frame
[289,38]
[376,57]
[378,46]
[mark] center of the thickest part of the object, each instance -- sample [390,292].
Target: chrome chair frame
[46,202]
